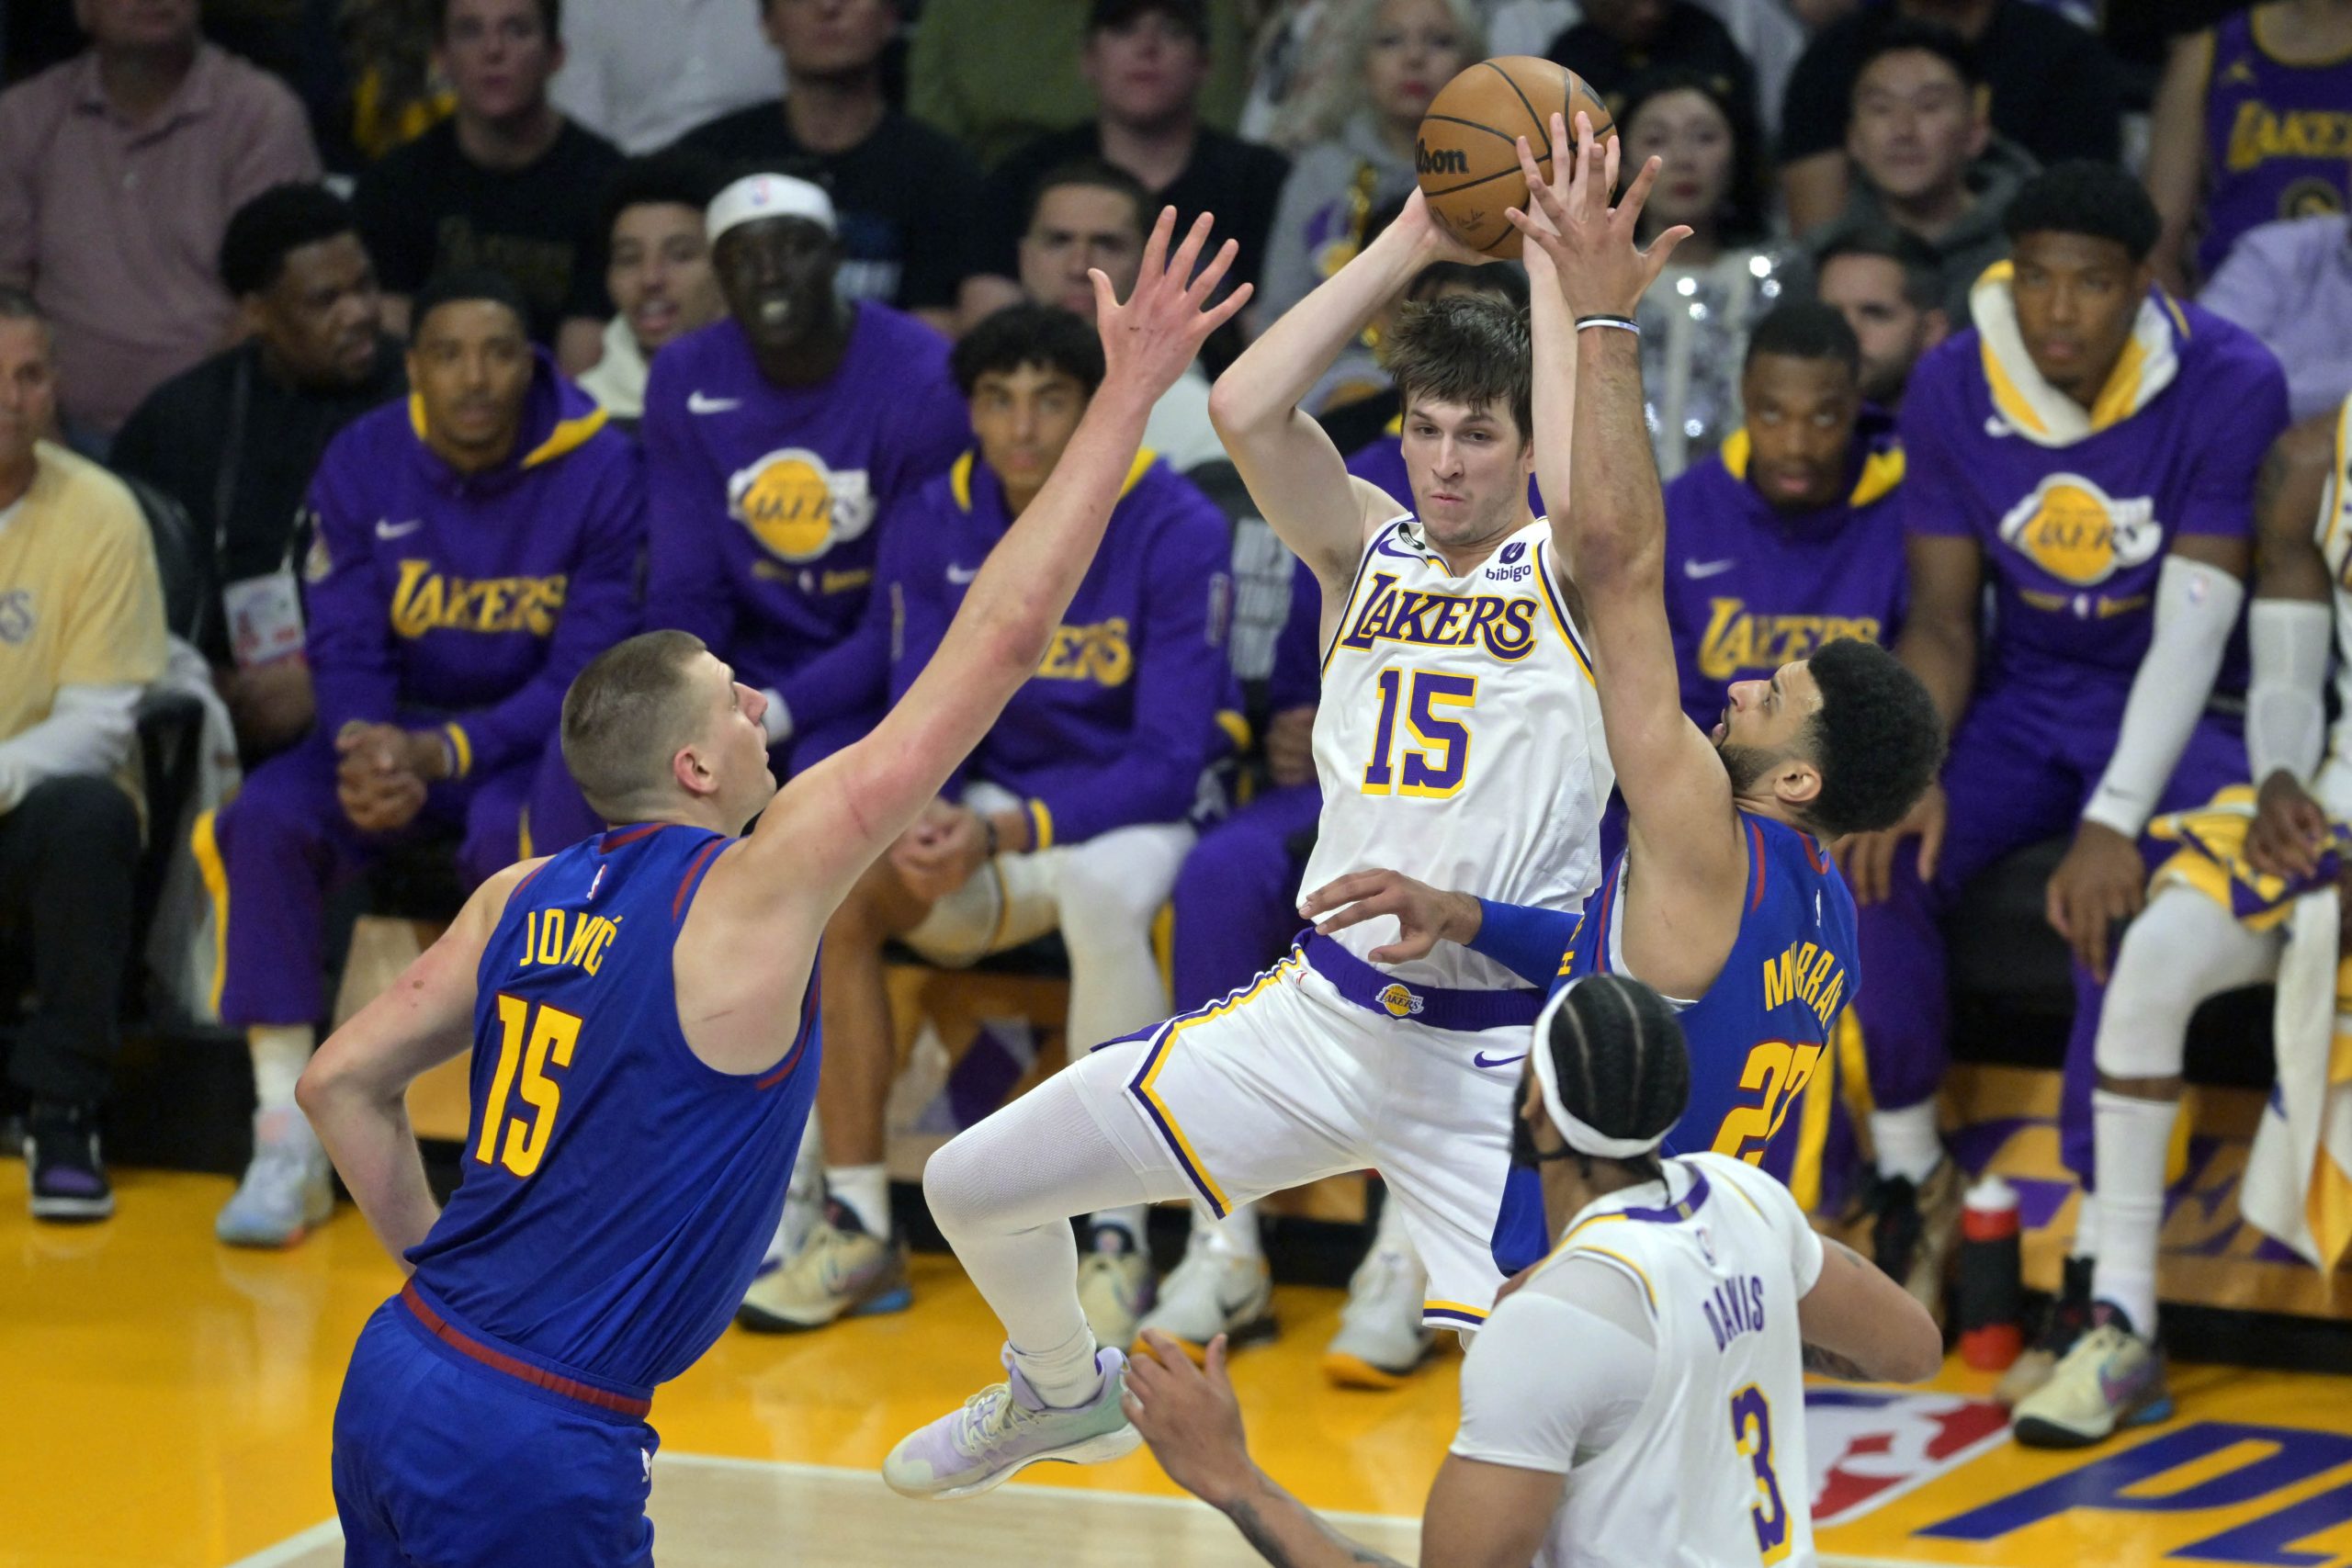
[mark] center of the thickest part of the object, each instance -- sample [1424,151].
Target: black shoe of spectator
[61,1165]
[1896,1227]
[2069,1319]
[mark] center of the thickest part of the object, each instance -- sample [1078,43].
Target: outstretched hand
[1425,915]
[1149,341]
[1590,244]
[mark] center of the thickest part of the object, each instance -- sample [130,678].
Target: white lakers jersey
[1711,1468]
[1458,740]
[2333,531]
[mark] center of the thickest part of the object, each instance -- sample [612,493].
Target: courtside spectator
[997,75]
[1146,61]
[1397,55]
[657,271]
[81,635]
[1087,216]
[2289,284]
[641,77]
[778,443]
[236,439]
[118,171]
[506,182]
[2252,125]
[1070,815]
[1616,42]
[2054,89]
[472,549]
[1727,274]
[1924,156]
[902,192]
[1889,287]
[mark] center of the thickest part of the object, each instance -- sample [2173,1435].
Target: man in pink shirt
[118,171]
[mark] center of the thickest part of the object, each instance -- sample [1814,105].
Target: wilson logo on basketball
[1444,160]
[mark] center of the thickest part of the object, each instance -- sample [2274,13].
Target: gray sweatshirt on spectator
[1319,221]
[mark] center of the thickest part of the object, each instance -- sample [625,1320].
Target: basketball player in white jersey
[1636,1398]
[1459,737]
[2217,918]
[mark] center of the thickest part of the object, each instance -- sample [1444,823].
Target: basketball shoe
[1915,1230]
[1006,1428]
[841,1272]
[1213,1292]
[1380,1338]
[2112,1378]
[64,1175]
[2069,1319]
[288,1187]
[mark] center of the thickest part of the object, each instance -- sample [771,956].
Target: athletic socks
[280,1051]
[1234,1236]
[865,1191]
[1908,1143]
[1125,1225]
[2086,1242]
[1065,1376]
[2133,1136]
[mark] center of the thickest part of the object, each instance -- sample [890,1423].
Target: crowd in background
[368,366]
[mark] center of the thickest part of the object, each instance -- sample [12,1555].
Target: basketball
[1467,155]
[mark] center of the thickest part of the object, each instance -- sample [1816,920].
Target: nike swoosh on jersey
[697,403]
[960,575]
[388,529]
[1383,548]
[1699,571]
[1481,1060]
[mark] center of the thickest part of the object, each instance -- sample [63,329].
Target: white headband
[1581,1136]
[756,196]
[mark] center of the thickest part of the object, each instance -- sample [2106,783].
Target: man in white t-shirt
[1640,1389]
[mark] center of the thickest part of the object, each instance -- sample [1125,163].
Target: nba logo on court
[1869,1448]
[1399,1001]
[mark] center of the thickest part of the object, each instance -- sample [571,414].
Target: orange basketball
[1466,154]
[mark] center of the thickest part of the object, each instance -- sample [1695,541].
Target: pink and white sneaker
[1006,1428]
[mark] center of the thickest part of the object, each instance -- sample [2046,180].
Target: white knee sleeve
[2183,949]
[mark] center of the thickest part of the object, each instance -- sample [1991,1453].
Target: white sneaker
[841,1272]
[1381,1339]
[289,1188]
[1212,1292]
[1114,1287]
[1006,1428]
[2112,1378]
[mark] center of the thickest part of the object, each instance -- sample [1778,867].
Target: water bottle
[1992,1329]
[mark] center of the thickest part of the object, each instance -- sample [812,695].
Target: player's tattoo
[1268,1545]
[1830,1364]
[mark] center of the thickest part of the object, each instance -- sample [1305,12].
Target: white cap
[756,196]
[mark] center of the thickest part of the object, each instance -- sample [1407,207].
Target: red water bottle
[1992,1330]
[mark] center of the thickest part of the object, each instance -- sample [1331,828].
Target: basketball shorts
[441,1461]
[1322,1066]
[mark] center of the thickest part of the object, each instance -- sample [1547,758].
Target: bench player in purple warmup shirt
[1069,816]
[1787,537]
[2088,448]
[474,546]
[776,443]
[641,1009]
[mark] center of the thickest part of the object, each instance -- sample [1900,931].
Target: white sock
[280,1051]
[2133,1136]
[863,1190]
[1907,1142]
[1066,1376]
[2086,1242]
[1390,1235]
[1234,1236]
[1127,1220]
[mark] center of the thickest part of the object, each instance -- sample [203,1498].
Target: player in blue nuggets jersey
[642,1010]
[1725,899]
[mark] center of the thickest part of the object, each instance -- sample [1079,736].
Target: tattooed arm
[1861,1325]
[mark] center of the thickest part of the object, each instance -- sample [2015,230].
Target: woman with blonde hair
[1354,125]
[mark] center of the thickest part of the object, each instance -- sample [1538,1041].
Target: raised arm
[830,823]
[1593,446]
[1298,477]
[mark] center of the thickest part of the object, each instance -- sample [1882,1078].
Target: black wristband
[987,828]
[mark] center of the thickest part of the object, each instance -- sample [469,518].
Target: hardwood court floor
[169,1402]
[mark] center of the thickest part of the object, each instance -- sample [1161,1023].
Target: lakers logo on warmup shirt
[2077,532]
[796,506]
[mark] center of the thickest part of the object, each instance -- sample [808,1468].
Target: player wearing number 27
[1725,898]
[1459,736]
[1636,1397]
[641,1009]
